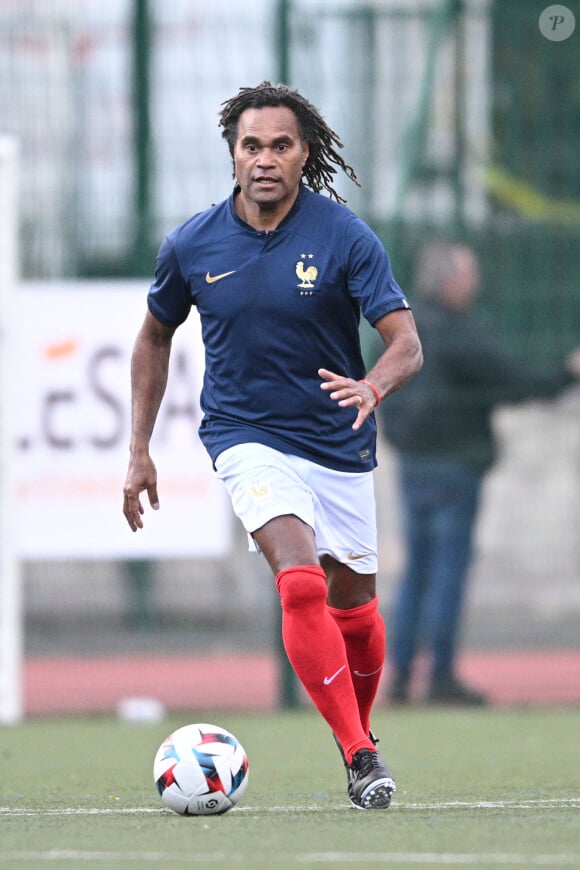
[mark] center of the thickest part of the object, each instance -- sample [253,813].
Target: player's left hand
[349,394]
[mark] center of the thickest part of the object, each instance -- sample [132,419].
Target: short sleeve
[370,276]
[169,299]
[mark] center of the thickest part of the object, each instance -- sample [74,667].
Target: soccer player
[280,275]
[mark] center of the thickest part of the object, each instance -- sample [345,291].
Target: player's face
[269,157]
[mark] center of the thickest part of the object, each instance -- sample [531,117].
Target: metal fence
[459,115]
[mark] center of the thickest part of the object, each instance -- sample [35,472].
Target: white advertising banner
[73,344]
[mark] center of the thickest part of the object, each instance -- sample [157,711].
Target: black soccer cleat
[372,801]
[371,785]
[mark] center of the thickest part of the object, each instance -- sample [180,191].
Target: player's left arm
[403,355]
[401,359]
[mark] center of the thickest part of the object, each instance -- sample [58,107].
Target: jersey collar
[298,202]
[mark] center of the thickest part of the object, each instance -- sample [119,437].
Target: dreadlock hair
[322,140]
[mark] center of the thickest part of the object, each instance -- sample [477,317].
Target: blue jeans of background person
[440,501]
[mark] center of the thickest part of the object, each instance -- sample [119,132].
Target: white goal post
[11,704]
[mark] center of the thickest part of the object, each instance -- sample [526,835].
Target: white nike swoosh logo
[328,680]
[372,673]
[211,279]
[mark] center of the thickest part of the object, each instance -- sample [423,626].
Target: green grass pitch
[485,788]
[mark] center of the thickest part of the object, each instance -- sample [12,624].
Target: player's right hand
[141,476]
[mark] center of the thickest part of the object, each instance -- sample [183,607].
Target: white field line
[425,858]
[416,858]
[443,858]
[531,804]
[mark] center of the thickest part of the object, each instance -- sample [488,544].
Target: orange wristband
[375,391]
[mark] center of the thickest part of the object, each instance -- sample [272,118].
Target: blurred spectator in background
[440,426]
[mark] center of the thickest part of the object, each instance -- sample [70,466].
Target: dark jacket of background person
[441,428]
[446,410]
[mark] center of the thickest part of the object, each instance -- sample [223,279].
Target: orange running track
[55,686]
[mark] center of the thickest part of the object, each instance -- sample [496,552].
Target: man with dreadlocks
[280,275]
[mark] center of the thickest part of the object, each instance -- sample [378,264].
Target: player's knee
[301,586]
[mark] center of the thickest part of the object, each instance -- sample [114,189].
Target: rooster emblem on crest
[307,275]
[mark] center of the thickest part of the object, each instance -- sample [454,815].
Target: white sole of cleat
[377,796]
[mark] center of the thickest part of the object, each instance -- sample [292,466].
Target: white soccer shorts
[340,506]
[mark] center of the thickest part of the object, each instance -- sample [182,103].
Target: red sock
[316,650]
[363,630]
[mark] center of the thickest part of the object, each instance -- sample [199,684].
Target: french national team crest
[307,274]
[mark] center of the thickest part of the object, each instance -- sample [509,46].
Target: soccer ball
[201,770]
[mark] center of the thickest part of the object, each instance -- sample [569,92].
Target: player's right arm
[149,367]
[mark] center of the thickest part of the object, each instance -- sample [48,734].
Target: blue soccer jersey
[275,307]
